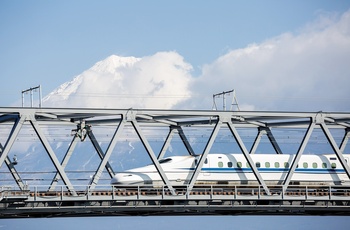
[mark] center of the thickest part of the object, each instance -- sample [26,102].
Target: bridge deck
[330,200]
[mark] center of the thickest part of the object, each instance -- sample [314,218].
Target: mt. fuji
[124,82]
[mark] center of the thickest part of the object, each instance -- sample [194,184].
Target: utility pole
[223,94]
[31,95]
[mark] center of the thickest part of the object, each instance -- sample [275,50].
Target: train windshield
[166,160]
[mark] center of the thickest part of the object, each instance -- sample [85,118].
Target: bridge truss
[81,123]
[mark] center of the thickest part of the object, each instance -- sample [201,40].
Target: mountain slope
[158,81]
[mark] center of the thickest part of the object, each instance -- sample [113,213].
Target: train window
[166,160]
[229,164]
[267,164]
[247,164]
[305,165]
[239,164]
[220,164]
[206,161]
[333,165]
[277,164]
[286,164]
[257,164]
[333,158]
[324,165]
[314,165]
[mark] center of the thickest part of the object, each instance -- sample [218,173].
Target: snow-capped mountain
[157,81]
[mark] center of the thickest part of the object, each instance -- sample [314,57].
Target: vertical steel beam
[109,151]
[335,148]
[13,171]
[152,155]
[345,140]
[167,141]
[299,153]
[12,137]
[204,155]
[99,151]
[248,158]
[65,160]
[51,154]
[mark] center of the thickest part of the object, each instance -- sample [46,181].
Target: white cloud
[158,81]
[306,71]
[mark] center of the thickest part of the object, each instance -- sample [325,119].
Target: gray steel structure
[175,121]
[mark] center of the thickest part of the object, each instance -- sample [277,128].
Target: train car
[233,169]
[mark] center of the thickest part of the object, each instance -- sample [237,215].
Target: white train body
[233,169]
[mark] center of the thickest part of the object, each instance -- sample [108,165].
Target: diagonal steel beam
[257,140]
[185,141]
[204,155]
[167,141]
[273,140]
[298,155]
[65,160]
[99,151]
[51,154]
[13,171]
[345,140]
[12,137]
[248,158]
[335,148]
[262,131]
[106,156]
[152,155]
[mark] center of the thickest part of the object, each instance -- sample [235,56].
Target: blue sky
[50,42]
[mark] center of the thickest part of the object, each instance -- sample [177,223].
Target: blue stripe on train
[268,170]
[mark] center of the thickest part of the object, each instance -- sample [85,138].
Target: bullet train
[233,169]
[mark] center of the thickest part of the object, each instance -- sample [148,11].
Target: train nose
[126,178]
[116,179]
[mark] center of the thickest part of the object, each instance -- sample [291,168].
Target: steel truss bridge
[63,198]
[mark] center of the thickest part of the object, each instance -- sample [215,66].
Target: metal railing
[105,192]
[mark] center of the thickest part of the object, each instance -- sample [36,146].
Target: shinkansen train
[233,169]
